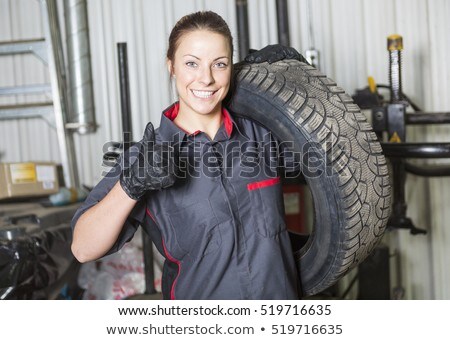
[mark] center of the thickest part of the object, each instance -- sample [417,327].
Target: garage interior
[67,97]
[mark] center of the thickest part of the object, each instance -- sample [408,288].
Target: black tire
[352,195]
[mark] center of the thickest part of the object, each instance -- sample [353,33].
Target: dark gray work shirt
[221,226]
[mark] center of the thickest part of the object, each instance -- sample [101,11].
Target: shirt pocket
[266,197]
[196,229]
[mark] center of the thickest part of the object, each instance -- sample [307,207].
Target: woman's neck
[191,121]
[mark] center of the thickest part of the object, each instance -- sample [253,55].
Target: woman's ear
[170,67]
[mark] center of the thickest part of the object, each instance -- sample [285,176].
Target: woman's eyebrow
[193,56]
[190,55]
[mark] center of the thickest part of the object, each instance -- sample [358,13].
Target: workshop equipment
[35,257]
[389,120]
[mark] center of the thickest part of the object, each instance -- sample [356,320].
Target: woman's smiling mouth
[203,94]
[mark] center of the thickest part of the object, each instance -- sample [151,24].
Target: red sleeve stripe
[178,263]
[170,258]
[151,215]
[263,184]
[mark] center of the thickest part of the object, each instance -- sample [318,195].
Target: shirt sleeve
[136,216]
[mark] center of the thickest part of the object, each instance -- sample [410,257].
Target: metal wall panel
[437,92]
[351,38]
[262,23]
[30,139]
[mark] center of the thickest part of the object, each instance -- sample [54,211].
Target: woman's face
[202,71]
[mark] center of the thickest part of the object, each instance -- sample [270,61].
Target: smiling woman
[204,185]
[201,68]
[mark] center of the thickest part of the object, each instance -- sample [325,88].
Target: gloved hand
[154,168]
[273,53]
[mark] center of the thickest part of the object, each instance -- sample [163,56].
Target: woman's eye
[221,64]
[191,64]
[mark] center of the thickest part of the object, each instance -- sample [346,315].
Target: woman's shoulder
[247,125]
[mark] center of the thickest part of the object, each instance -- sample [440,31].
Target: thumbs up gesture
[154,168]
[274,53]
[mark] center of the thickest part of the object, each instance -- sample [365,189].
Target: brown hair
[203,20]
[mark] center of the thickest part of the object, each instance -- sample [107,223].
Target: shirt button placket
[239,237]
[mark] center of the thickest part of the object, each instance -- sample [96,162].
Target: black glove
[273,53]
[154,168]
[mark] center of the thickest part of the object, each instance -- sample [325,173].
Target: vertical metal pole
[125,99]
[283,23]
[82,110]
[398,169]
[242,24]
[395,47]
[125,105]
[59,91]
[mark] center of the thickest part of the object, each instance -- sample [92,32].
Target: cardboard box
[29,179]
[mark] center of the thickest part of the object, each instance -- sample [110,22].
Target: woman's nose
[206,76]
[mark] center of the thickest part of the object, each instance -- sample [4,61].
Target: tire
[350,187]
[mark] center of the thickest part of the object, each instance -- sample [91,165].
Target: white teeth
[202,94]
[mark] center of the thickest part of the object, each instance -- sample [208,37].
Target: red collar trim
[172,113]
[227,121]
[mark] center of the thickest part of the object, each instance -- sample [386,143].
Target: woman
[213,207]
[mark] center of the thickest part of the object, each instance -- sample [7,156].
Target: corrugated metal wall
[351,37]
